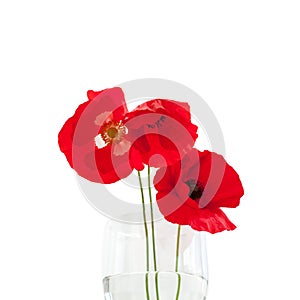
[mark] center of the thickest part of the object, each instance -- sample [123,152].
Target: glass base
[134,286]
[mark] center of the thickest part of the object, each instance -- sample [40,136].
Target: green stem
[152,222]
[177,260]
[153,235]
[146,234]
[178,287]
[177,248]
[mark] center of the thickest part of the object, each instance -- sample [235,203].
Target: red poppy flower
[95,140]
[163,130]
[192,191]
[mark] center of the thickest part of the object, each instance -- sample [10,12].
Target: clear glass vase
[133,271]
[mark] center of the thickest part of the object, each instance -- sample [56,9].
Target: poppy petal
[105,167]
[173,210]
[136,159]
[211,220]
[218,176]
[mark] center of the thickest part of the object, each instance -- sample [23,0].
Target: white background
[242,57]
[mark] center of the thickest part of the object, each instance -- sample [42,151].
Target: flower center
[113,132]
[196,189]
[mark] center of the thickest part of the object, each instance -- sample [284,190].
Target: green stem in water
[146,234]
[153,235]
[177,260]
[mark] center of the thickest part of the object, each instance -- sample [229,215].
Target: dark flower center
[112,132]
[196,189]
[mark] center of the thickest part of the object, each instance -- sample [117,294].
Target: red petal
[66,134]
[136,159]
[166,179]
[174,210]
[110,100]
[212,221]
[92,94]
[105,167]
[222,183]
[157,151]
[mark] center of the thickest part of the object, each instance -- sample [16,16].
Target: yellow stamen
[113,132]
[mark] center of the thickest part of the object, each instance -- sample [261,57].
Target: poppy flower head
[163,130]
[191,192]
[94,138]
